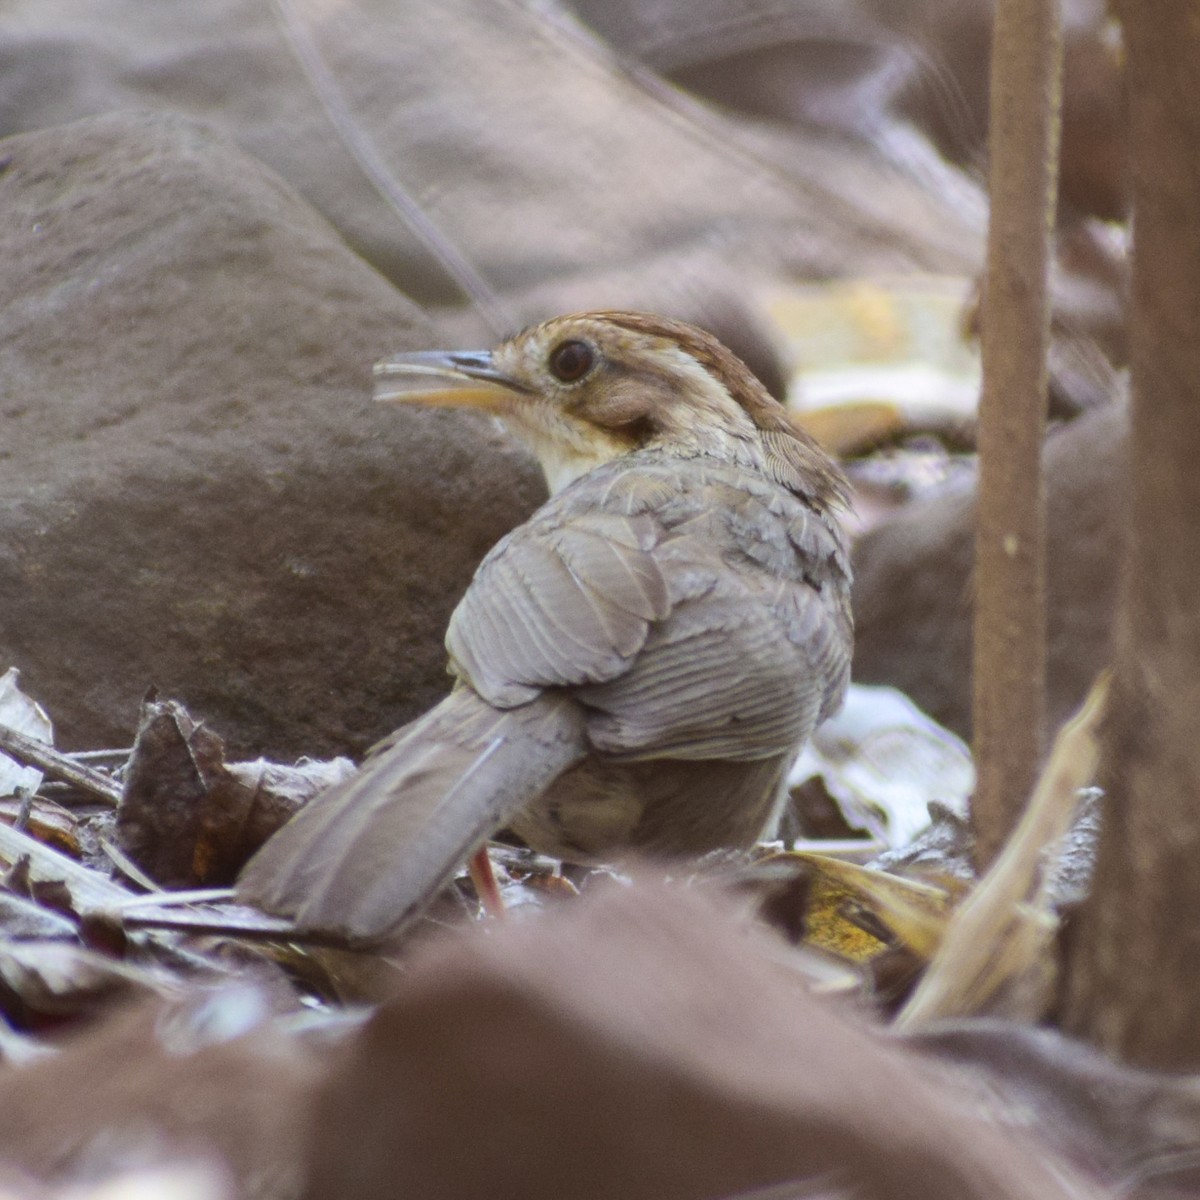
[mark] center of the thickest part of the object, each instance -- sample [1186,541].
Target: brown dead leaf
[190,819]
[48,822]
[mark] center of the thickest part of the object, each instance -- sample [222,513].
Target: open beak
[453,379]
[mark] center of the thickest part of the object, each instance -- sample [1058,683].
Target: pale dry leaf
[883,760]
[19,712]
[997,955]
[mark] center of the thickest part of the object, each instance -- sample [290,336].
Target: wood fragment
[58,765]
[999,940]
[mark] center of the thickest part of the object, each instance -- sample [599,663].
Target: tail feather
[363,859]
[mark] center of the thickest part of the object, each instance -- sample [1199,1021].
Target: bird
[635,667]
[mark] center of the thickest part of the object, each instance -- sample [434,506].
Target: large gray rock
[197,490]
[913,580]
[520,134]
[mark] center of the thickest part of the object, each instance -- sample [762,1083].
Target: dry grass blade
[90,890]
[998,941]
[127,866]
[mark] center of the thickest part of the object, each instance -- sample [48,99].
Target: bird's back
[675,657]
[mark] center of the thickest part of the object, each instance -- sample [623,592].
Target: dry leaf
[882,760]
[48,822]
[26,716]
[998,952]
[854,912]
[190,819]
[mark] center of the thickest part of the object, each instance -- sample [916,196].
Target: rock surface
[590,169]
[198,492]
[912,585]
[865,69]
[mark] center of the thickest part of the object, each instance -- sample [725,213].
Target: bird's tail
[364,858]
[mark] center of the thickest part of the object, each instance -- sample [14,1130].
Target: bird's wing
[754,650]
[820,619]
[559,603]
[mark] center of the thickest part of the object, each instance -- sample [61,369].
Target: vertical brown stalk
[1132,978]
[1010,619]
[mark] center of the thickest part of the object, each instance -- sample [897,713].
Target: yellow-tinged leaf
[857,913]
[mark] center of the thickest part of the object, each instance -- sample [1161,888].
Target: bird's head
[582,390]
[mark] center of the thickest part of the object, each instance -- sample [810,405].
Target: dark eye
[571,360]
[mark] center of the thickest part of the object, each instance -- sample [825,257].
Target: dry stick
[1010,619]
[32,753]
[1132,972]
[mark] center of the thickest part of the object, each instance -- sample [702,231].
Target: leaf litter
[106,909]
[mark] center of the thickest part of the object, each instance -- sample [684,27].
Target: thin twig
[90,756]
[32,753]
[383,179]
[1010,604]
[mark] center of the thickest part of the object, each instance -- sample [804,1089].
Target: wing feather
[580,601]
[567,603]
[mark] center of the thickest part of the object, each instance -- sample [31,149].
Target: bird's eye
[570,361]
